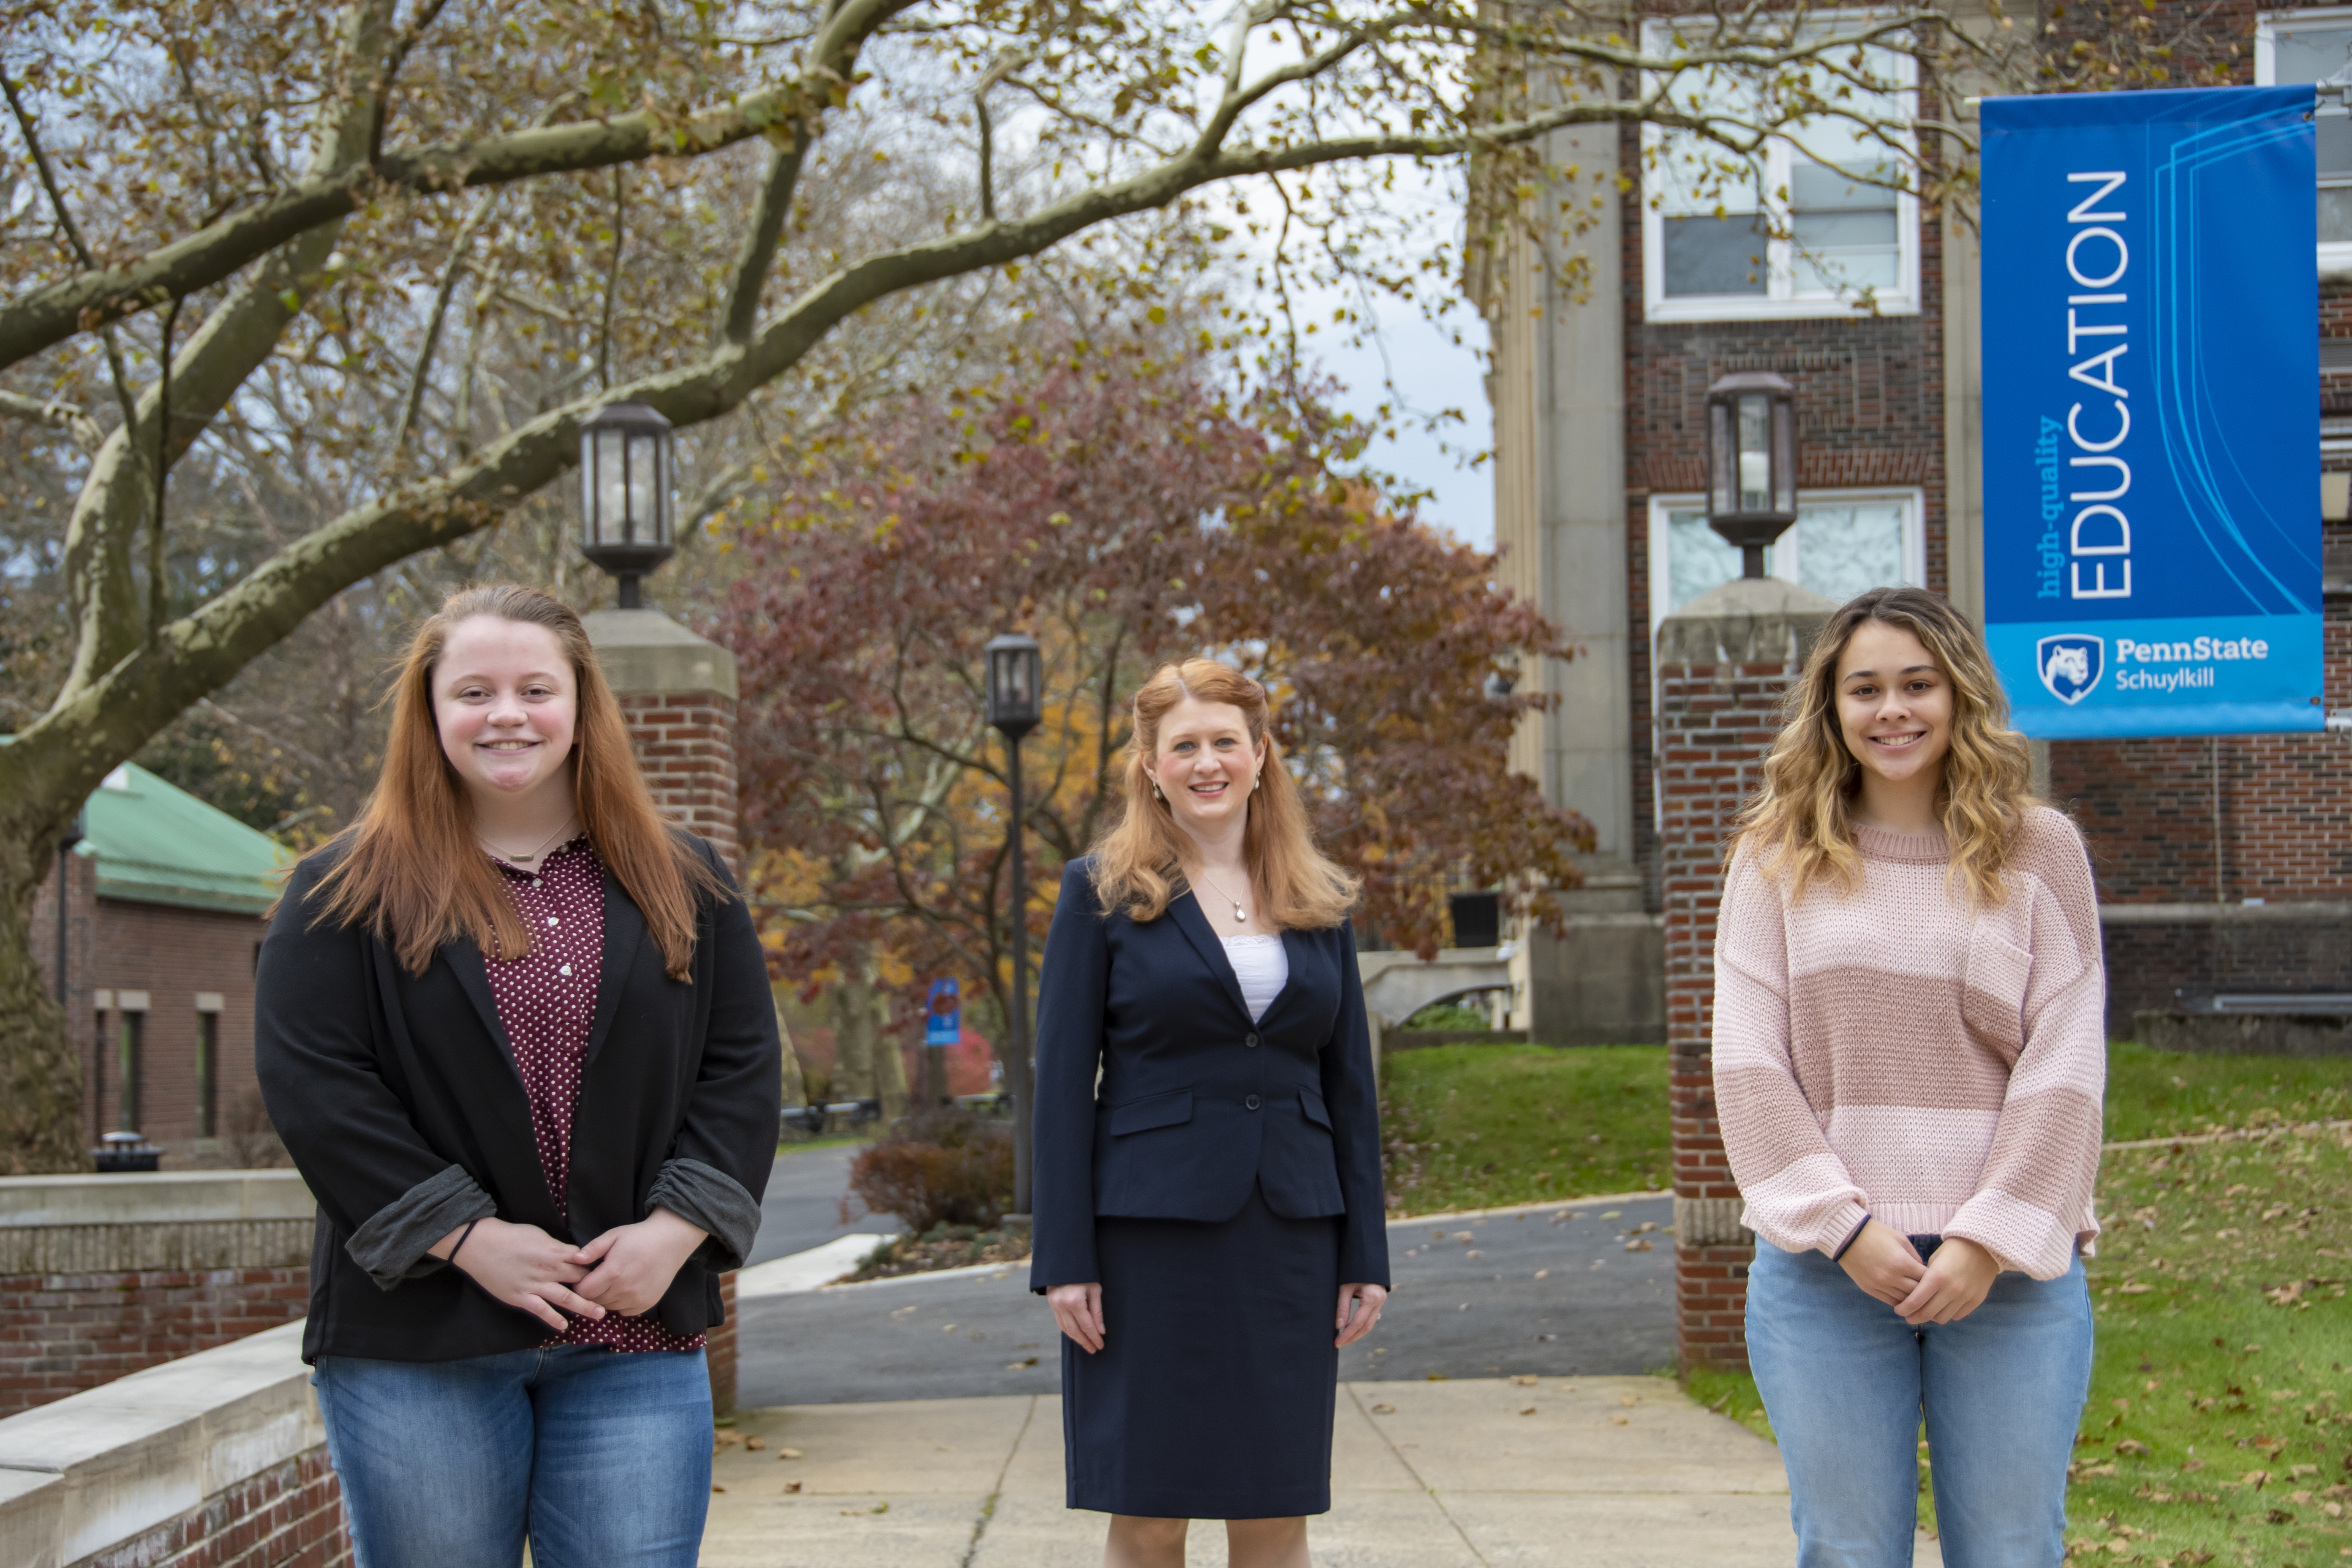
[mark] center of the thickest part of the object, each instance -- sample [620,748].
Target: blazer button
[1250,1040]
[1251,1102]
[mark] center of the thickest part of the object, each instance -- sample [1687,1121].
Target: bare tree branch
[451,270]
[55,412]
[50,315]
[753,265]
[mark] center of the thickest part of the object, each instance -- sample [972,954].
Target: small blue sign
[944,1020]
[2151,537]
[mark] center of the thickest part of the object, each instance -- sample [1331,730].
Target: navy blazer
[1197,1104]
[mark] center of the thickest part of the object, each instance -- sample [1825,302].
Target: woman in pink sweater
[1909,1060]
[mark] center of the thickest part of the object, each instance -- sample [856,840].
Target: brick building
[2225,865]
[163,926]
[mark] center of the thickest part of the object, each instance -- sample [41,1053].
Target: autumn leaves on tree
[1125,513]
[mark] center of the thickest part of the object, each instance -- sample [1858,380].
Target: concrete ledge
[2305,1034]
[1710,1221]
[1749,620]
[109,1465]
[2207,914]
[645,650]
[158,1222]
[187,1247]
[161,1197]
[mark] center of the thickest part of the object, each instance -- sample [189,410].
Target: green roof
[156,844]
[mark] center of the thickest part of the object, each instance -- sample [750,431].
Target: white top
[1263,966]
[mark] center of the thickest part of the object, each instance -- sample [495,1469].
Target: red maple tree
[1126,513]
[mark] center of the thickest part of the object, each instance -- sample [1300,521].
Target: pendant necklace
[522,861]
[1240,914]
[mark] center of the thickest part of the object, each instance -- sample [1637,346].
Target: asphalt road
[803,1207]
[1553,1293]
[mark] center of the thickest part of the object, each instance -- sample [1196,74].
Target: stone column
[1725,661]
[677,694]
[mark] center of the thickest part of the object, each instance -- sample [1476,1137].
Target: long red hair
[1138,865]
[411,870]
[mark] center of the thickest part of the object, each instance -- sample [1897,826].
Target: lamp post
[628,472]
[1015,708]
[72,836]
[1751,462]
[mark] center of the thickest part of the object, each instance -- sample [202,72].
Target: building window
[1844,543]
[2316,46]
[208,1074]
[129,1053]
[1810,229]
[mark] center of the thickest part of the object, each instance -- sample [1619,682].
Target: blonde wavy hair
[1800,825]
[1139,864]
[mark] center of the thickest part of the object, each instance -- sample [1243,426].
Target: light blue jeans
[603,1457]
[1845,1382]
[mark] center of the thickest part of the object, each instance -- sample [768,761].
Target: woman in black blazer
[518,1035]
[1209,1221]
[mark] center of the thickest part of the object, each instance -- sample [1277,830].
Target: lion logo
[2071,665]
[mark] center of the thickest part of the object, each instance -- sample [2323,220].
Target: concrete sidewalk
[1597,1472]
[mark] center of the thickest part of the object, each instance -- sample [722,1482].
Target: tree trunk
[887,1063]
[40,1081]
[796,1082]
[853,1043]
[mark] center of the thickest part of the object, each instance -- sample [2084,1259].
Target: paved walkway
[1556,1290]
[1596,1472]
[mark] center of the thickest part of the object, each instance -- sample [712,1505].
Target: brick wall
[216,1460]
[289,1516]
[171,953]
[686,745]
[1715,721]
[85,1304]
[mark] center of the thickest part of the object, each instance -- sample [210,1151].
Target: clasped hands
[1077,1309]
[1940,1290]
[624,1270]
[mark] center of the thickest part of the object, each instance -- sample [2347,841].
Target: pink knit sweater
[1894,1053]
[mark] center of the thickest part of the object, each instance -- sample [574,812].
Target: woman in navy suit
[1209,1222]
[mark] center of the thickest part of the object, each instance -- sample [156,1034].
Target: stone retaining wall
[215,1461]
[104,1276]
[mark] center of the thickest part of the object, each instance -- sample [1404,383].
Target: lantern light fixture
[1751,462]
[628,480]
[1015,677]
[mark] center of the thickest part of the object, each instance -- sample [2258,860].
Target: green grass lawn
[1484,1126]
[2219,1427]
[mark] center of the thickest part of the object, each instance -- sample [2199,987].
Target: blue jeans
[604,1457]
[1845,1382]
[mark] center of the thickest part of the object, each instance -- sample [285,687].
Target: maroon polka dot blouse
[547,1002]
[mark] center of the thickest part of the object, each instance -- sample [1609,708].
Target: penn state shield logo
[2071,665]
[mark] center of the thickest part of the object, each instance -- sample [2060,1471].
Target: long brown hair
[1801,822]
[1139,864]
[410,870]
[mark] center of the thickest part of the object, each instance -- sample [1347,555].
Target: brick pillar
[677,694]
[1724,662]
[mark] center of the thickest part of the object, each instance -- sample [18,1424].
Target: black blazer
[398,1096]
[1197,1104]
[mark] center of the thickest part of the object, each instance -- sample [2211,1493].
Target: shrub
[939,1167]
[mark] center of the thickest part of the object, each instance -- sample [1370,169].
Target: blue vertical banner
[943,1018]
[2151,411]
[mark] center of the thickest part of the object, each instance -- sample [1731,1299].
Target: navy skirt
[1213,1392]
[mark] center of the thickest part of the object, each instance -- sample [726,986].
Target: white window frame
[2335,257]
[1781,302]
[1912,500]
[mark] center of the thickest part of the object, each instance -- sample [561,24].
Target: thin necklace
[497,853]
[1239,914]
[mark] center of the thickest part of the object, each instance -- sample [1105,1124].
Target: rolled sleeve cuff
[709,1197]
[393,1246]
